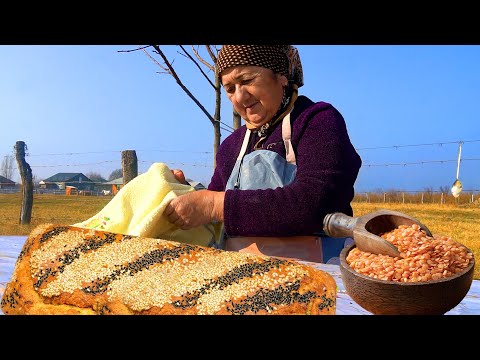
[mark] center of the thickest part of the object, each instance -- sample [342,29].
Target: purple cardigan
[327,168]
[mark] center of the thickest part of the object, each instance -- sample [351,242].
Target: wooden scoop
[365,230]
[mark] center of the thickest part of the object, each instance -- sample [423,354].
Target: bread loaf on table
[71,270]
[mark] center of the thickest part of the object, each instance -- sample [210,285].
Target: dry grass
[460,222]
[57,209]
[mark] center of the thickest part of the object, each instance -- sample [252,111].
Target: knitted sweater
[327,168]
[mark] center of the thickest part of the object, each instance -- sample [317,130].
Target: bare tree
[6,169]
[115,174]
[36,181]
[95,176]
[203,66]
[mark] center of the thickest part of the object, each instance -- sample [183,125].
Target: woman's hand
[196,208]
[180,176]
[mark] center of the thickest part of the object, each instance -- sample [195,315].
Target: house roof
[118,181]
[64,177]
[4,180]
[196,184]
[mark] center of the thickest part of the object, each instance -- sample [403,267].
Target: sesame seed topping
[113,273]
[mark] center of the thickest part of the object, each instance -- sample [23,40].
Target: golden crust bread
[71,270]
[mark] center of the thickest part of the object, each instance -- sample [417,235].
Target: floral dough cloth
[138,208]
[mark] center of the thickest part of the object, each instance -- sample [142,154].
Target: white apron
[264,169]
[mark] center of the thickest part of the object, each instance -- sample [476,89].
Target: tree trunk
[216,142]
[216,120]
[237,120]
[129,165]
[27,183]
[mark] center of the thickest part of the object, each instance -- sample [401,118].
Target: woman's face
[255,92]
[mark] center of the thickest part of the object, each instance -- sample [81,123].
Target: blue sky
[407,108]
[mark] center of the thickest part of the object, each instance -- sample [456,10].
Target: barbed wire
[426,190]
[364,165]
[210,152]
[203,165]
[414,145]
[230,128]
[113,161]
[211,166]
[118,151]
[418,163]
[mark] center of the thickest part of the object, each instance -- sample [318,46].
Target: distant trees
[36,181]
[6,168]
[96,177]
[445,189]
[115,174]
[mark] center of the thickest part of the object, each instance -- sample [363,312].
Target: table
[10,247]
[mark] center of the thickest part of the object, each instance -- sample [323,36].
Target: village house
[62,181]
[110,187]
[6,183]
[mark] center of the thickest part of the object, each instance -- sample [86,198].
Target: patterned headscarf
[281,59]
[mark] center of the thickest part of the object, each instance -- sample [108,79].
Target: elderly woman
[283,171]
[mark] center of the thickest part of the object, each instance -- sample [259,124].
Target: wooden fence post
[129,165]
[384,197]
[27,183]
[422,198]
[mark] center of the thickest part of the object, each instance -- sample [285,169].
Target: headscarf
[281,59]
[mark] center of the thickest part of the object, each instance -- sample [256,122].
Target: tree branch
[212,55]
[204,62]
[165,70]
[172,72]
[132,50]
[196,64]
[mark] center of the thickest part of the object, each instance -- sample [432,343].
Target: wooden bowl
[382,297]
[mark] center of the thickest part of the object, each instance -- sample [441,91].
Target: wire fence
[418,197]
[96,192]
[398,197]
[201,168]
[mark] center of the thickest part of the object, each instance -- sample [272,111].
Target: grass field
[460,222]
